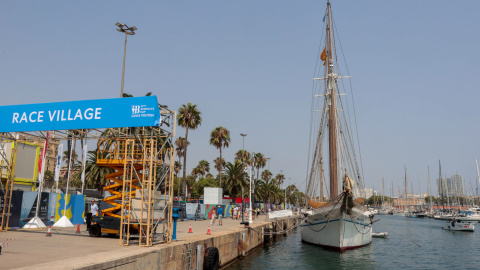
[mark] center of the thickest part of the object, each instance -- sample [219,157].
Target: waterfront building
[410,200]
[452,186]
[363,193]
[456,183]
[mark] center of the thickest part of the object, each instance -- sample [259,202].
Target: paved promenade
[67,250]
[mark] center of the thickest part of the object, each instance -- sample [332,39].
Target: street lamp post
[250,220]
[128,31]
[243,138]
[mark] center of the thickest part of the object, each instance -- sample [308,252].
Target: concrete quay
[31,249]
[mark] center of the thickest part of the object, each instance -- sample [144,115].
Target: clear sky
[248,66]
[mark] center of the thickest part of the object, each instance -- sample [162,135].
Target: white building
[363,193]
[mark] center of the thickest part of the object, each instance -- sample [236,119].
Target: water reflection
[440,249]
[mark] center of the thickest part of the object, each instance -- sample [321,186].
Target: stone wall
[189,254]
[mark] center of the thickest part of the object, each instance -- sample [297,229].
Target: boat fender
[211,259]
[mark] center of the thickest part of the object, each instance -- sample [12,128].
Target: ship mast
[332,111]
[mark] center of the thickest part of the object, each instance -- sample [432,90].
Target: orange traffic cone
[190,230]
[208,232]
[49,232]
[78,229]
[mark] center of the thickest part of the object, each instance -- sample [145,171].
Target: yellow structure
[136,162]
[26,160]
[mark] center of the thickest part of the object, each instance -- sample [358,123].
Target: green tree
[280,177]
[244,157]
[94,175]
[203,167]
[191,180]
[235,178]
[219,164]
[266,175]
[177,166]
[66,158]
[267,191]
[49,178]
[188,117]
[220,138]
[259,162]
[181,145]
[203,183]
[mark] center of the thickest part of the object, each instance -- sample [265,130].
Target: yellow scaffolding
[133,186]
[140,186]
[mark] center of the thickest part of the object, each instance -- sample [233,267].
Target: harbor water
[439,249]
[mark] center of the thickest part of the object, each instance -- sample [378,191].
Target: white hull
[339,231]
[460,226]
[380,235]
[470,218]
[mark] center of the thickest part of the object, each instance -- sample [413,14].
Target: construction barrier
[24,207]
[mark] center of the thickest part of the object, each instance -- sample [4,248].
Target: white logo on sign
[135,109]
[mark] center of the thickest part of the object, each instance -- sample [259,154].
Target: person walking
[220,216]
[93,212]
[235,210]
[239,212]
[212,222]
[94,208]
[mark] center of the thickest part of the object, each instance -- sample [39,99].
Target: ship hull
[330,228]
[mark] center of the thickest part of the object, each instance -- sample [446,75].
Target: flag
[59,162]
[323,55]
[84,160]
[41,160]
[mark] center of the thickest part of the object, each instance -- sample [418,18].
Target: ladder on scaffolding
[127,192]
[167,180]
[139,180]
[148,193]
[10,173]
[142,166]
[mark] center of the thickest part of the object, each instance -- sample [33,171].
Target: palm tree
[257,187]
[266,175]
[243,156]
[195,172]
[235,178]
[219,164]
[203,167]
[188,117]
[94,175]
[191,180]
[267,190]
[280,177]
[177,166]
[220,138]
[259,162]
[66,157]
[181,144]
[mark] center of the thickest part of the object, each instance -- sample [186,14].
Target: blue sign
[85,114]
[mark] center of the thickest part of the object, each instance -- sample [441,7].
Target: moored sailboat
[342,222]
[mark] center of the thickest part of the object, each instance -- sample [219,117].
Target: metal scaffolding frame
[7,168]
[142,159]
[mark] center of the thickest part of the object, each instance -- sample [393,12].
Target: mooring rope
[400,234]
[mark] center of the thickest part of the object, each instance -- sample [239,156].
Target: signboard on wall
[85,114]
[15,208]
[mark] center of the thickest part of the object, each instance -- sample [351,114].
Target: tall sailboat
[339,220]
